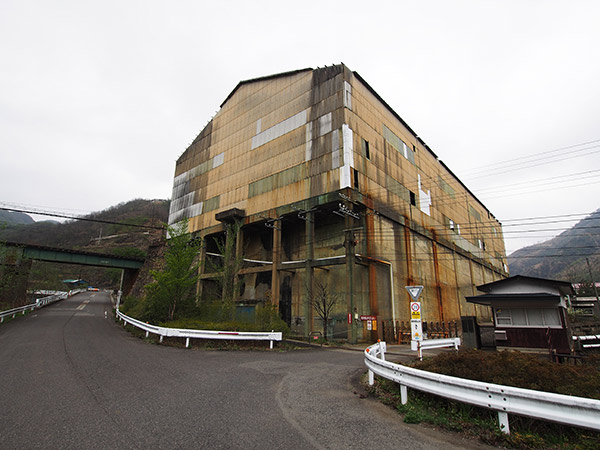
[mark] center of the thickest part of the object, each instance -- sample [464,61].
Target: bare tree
[323,302]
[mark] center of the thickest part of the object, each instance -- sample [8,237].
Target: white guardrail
[591,341]
[565,409]
[419,346]
[200,334]
[39,303]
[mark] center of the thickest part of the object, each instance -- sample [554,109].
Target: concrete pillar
[14,273]
[129,277]
[276,261]
[201,269]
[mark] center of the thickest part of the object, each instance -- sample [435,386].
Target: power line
[84,219]
[512,160]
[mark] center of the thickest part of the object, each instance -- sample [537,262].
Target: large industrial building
[331,186]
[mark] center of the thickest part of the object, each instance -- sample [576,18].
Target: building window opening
[413,198]
[366,150]
[355,179]
[527,317]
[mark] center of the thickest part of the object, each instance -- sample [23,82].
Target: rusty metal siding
[279,141]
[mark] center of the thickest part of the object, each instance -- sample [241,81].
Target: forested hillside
[126,229]
[95,236]
[563,257]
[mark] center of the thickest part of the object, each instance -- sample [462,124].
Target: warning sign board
[414,291]
[415,310]
[416,330]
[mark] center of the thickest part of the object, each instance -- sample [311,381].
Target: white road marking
[83,305]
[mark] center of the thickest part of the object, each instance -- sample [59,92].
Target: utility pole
[592,279]
[349,244]
[310,254]
[346,210]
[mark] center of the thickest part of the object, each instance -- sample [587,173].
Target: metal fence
[565,409]
[200,334]
[399,331]
[40,302]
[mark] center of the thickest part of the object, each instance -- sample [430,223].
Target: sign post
[416,326]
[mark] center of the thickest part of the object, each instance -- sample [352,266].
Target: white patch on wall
[348,148]
[218,160]
[325,124]
[182,200]
[347,95]
[335,150]
[424,199]
[180,204]
[196,209]
[308,151]
[278,130]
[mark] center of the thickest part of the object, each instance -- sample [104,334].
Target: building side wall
[274,142]
[389,175]
[440,217]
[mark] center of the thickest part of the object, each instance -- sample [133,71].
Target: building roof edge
[267,77]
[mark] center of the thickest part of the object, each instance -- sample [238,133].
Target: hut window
[527,317]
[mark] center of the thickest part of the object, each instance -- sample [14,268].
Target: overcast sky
[99,98]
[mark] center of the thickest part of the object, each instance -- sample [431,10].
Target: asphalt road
[71,379]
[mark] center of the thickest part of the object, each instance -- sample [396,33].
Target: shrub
[518,369]
[507,368]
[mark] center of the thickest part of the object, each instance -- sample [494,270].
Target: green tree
[228,267]
[173,288]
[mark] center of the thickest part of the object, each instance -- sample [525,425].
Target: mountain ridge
[14,218]
[564,256]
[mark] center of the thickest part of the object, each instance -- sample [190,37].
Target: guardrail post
[161,339]
[503,422]
[187,342]
[147,334]
[382,350]
[403,394]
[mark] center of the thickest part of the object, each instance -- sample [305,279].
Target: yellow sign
[415,310]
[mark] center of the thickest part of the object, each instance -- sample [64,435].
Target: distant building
[330,184]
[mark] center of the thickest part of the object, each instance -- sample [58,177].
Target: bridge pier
[14,276]
[128,279]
